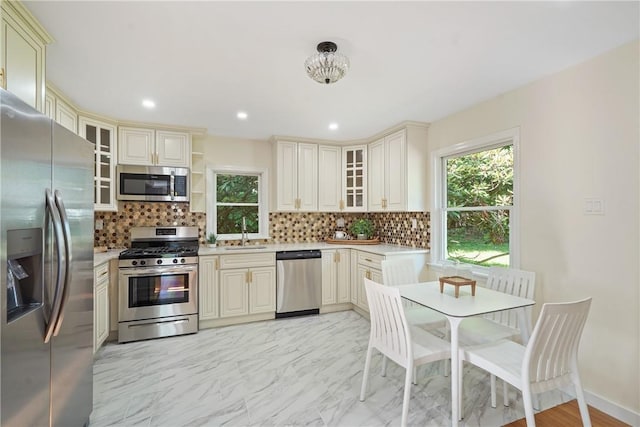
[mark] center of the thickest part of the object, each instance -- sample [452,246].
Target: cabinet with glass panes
[354,178]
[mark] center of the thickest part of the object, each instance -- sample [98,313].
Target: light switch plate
[340,222]
[99,224]
[593,206]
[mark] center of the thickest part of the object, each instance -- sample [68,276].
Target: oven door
[151,292]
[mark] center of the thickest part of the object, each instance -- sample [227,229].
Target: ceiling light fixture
[147,103]
[333,126]
[242,115]
[327,66]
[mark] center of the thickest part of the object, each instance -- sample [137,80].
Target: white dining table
[456,310]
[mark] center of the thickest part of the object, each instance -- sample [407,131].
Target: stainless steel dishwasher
[298,283]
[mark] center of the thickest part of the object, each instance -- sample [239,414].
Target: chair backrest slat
[552,352]
[389,327]
[399,271]
[514,282]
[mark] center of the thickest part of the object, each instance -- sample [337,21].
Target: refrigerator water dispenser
[24,272]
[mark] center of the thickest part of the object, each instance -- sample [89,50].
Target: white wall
[226,151]
[579,137]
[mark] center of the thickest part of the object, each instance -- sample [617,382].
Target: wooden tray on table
[458,281]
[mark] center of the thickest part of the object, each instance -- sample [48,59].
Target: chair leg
[582,403]
[415,375]
[460,382]
[493,391]
[505,393]
[407,394]
[527,399]
[383,373]
[365,374]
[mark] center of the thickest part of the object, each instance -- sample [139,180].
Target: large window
[234,194]
[476,202]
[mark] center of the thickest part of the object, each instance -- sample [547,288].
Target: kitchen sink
[237,248]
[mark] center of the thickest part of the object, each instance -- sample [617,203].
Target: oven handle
[158,271]
[172,188]
[158,322]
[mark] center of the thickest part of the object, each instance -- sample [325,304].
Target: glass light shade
[327,66]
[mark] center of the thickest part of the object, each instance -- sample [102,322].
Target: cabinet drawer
[101,273]
[370,260]
[262,259]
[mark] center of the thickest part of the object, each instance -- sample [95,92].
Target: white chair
[549,361]
[500,325]
[401,271]
[394,338]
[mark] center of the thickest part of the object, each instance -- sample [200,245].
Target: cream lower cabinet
[335,276]
[247,284]
[208,288]
[368,266]
[100,305]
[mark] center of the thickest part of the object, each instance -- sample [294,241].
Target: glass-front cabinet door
[102,134]
[354,178]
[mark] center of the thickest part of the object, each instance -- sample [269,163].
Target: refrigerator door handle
[66,228]
[54,214]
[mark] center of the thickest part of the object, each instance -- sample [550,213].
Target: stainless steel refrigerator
[46,226]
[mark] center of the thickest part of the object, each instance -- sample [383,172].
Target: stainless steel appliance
[46,270]
[158,283]
[298,283]
[153,183]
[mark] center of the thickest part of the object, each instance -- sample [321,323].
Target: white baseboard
[616,411]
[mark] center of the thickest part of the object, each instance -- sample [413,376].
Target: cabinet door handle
[341,205]
[337,258]
[368,275]
[217,264]
[3,81]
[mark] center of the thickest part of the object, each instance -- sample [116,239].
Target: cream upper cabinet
[22,60]
[296,176]
[354,178]
[66,116]
[387,173]
[329,182]
[136,146]
[173,148]
[149,147]
[103,135]
[395,161]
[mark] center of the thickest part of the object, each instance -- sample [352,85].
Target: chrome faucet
[245,236]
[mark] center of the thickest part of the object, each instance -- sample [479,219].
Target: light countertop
[385,250]
[375,249]
[102,257]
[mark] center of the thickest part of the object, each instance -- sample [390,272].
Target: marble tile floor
[287,372]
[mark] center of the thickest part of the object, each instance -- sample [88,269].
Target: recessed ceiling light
[242,115]
[333,126]
[147,103]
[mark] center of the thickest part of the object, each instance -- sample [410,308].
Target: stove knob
[159,261]
[134,262]
[182,260]
[175,260]
[142,262]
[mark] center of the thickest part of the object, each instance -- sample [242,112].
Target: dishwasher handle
[293,255]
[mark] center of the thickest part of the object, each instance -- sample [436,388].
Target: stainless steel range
[158,283]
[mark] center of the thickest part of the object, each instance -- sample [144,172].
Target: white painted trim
[438,228]
[263,200]
[616,411]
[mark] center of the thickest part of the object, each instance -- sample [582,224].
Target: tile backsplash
[284,227]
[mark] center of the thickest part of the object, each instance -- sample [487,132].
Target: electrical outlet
[340,222]
[414,223]
[593,206]
[99,224]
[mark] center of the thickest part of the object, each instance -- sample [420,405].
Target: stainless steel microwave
[152,183]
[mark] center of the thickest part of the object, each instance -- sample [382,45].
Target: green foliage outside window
[477,180]
[237,196]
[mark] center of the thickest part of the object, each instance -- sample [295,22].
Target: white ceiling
[201,62]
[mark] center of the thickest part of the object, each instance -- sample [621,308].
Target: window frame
[263,199]
[438,213]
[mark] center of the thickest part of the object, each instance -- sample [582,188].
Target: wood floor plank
[568,415]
